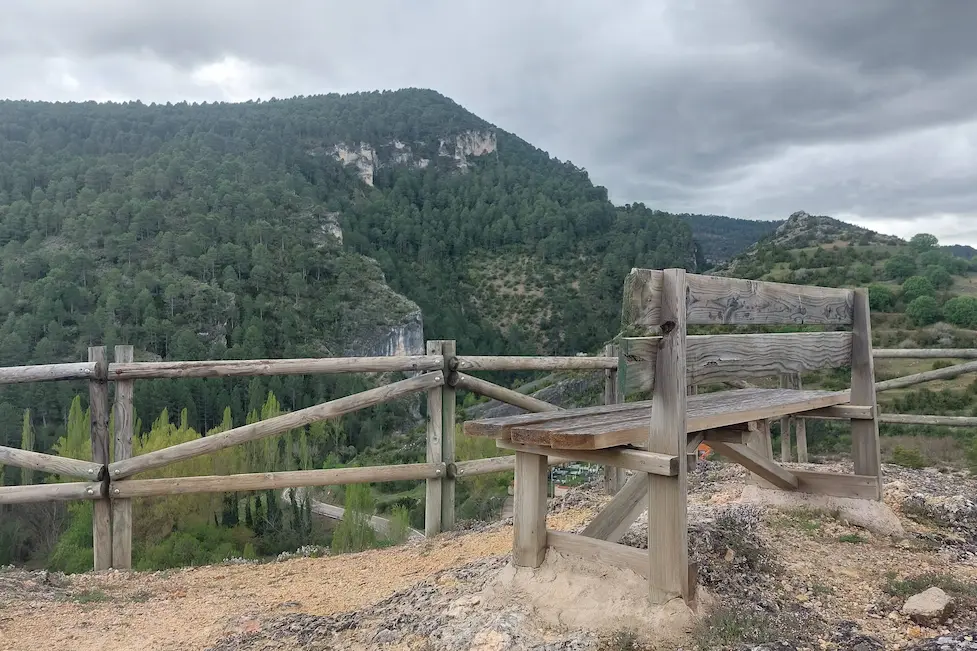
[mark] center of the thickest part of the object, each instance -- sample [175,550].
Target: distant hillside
[801,232]
[721,238]
[961,251]
[311,226]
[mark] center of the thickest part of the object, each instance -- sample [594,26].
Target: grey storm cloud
[752,108]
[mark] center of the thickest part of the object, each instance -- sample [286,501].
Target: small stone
[802,598]
[928,606]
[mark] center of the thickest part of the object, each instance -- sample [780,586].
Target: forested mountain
[721,238]
[240,230]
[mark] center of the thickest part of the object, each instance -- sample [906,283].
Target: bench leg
[529,516]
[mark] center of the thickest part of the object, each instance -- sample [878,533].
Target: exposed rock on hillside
[367,159]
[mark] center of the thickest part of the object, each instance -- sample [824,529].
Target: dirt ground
[190,609]
[837,570]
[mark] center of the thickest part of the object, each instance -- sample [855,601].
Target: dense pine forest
[292,228]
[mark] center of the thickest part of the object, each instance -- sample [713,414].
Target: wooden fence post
[435,453]
[800,425]
[448,350]
[98,395]
[786,382]
[122,508]
[668,535]
[614,478]
[864,433]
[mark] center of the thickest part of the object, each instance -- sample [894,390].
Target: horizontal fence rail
[435,373]
[272,426]
[50,463]
[925,353]
[67,492]
[502,394]
[489,363]
[47,373]
[948,373]
[274,480]
[938,421]
[267,367]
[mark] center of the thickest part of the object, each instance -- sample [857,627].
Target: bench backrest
[712,300]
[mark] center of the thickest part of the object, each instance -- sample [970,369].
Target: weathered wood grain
[590,429]
[614,478]
[268,367]
[435,451]
[130,488]
[712,300]
[98,395]
[948,373]
[765,468]
[605,553]
[938,421]
[122,509]
[800,426]
[47,373]
[786,422]
[276,425]
[448,404]
[616,517]
[64,492]
[638,460]
[50,463]
[925,353]
[529,363]
[668,535]
[866,453]
[502,394]
[720,358]
[842,412]
[832,484]
[462,469]
[500,427]
[529,510]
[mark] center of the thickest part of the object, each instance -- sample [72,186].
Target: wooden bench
[652,437]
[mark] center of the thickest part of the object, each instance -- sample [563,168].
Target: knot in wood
[667,327]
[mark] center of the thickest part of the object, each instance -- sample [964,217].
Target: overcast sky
[863,110]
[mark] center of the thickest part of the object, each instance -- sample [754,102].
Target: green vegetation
[908,457]
[852,538]
[963,591]
[235,231]
[354,534]
[729,627]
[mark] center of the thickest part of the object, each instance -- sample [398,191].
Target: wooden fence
[108,480]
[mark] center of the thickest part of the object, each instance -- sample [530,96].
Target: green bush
[900,267]
[923,311]
[939,276]
[74,551]
[399,525]
[908,457]
[961,311]
[354,533]
[915,287]
[881,298]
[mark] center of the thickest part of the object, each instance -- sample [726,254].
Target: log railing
[438,375]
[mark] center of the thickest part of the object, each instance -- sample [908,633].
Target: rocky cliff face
[403,338]
[368,158]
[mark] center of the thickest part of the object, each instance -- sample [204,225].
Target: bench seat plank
[595,428]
